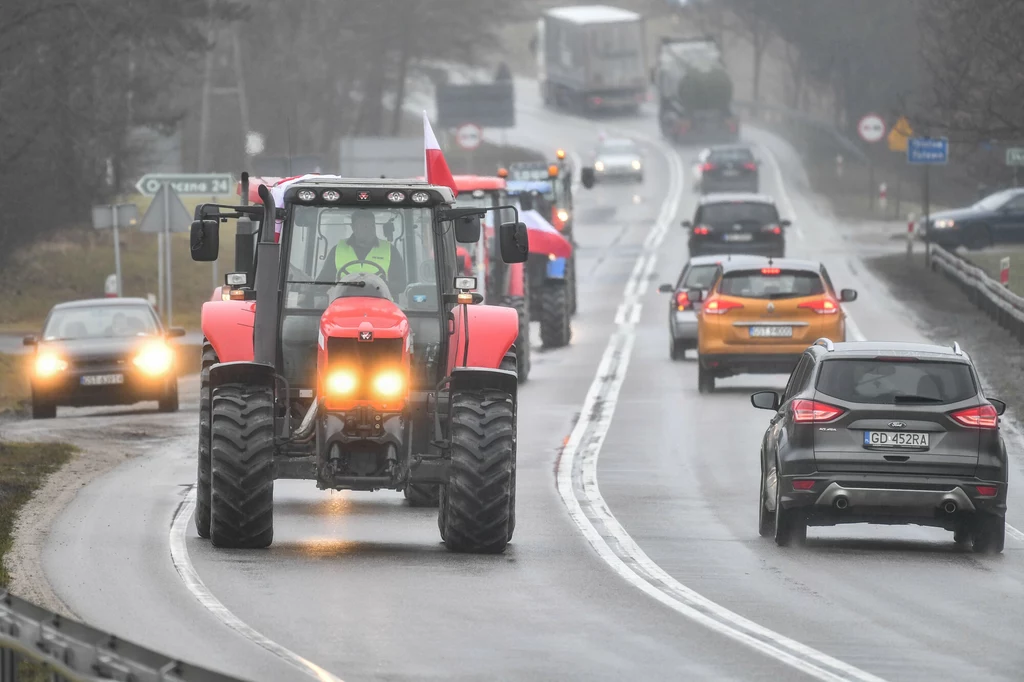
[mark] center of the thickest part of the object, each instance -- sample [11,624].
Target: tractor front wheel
[242,466]
[523,340]
[555,327]
[570,282]
[476,511]
[202,513]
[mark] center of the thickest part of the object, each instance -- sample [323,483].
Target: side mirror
[587,176]
[766,400]
[785,223]
[695,295]
[848,295]
[999,405]
[204,240]
[666,289]
[514,241]
[29,341]
[175,332]
[687,224]
[467,229]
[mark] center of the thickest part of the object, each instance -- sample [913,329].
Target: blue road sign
[928,150]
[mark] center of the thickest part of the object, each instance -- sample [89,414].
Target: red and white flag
[437,170]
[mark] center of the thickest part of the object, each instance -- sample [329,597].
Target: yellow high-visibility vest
[380,254]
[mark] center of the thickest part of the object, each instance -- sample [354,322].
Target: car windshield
[327,244]
[738,212]
[732,154]
[890,382]
[994,201]
[760,284]
[617,147]
[700,277]
[100,321]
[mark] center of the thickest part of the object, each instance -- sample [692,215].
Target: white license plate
[102,379]
[895,439]
[730,173]
[739,237]
[771,332]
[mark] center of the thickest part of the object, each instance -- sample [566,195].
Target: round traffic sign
[469,136]
[871,128]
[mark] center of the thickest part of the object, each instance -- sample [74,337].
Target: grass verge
[990,259]
[23,468]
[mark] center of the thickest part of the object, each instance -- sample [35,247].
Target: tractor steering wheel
[343,270]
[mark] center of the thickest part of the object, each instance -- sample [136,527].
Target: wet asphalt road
[360,585]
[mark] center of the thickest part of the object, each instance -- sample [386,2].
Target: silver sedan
[618,159]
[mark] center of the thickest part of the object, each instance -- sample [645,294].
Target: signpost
[165,215]
[186,183]
[927,152]
[469,136]
[899,135]
[1015,158]
[871,128]
[115,216]
[1004,271]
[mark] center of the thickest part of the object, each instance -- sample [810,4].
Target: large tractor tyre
[509,362]
[570,283]
[475,513]
[555,327]
[242,466]
[523,340]
[202,513]
[422,494]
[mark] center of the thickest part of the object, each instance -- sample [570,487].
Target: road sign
[469,136]
[899,135]
[1004,271]
[103,216]
[1015,156]
[871,128]
[928,150]
[491,105]
[168,215]
[186,183]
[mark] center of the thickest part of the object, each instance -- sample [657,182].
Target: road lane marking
[189,576]
[576,476]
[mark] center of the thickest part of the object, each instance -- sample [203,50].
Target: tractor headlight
[341,382]
[154,359]
[599,166]
[49,364]
[636,164]
[389,384]
[563,215]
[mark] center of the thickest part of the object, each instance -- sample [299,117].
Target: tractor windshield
[327,243]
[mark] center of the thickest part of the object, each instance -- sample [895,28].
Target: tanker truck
[694,92]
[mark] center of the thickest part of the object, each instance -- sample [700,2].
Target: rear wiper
[361,283]
[915,399]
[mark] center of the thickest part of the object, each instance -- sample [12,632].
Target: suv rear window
[738,212]
[699,277]
[890,382]
[735,154]
[785,284]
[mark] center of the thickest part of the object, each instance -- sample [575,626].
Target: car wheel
[676,349]
[790,524]
[169,403]
[978,238]
[765,519]
[705,380]
[988,534]
[43,410]
[962,534]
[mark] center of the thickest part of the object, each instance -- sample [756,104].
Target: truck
[694,92]
[384,371]
[592,58]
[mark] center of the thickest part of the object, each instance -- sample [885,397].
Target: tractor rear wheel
[476,512]
[242,466]
[570,282]
[523,340]
[202,513]
[555,327]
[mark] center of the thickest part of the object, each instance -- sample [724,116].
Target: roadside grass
[988,260]
[23,468]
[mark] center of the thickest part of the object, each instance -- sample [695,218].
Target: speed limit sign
[469,136]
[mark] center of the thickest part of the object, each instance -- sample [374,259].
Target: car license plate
[771,332]
[102,379]
[730,172]
[895,439]
[739,237]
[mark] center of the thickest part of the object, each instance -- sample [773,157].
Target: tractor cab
[355,331]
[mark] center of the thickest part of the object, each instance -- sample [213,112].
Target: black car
[888,433]
[104,351]
[732,168]
[996,219]
[737,223]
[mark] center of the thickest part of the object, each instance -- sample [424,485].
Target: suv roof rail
[956,348]
[826,343]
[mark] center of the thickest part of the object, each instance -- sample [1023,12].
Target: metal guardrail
[1001,304]
[37,644]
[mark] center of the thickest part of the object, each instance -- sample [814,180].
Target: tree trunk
[403,67]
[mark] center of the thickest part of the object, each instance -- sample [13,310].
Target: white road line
[851,324]
[790,210]
[579,490]
[195,585]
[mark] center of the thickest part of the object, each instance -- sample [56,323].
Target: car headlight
[636,164]
[341,382]
[154,359]
[599,165]
[944,223]
[49,364]
[388,384]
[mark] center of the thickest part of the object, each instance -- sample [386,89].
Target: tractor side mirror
[785,223]
[766,400]
[587,176]
[848,295]
[30,341]
[467,229]
[515,242]
[204,240]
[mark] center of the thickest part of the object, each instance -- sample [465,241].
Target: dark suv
[737,223]
[732,168]
[889,433]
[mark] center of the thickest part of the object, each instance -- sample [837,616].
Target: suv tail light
[980,417]
[772,229]
[822,306]
[987,490]
[702,230]
[750,166]
[683,301]
[814,412]
[719,306]
[707,167]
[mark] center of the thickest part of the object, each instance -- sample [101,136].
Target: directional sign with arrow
[208,184]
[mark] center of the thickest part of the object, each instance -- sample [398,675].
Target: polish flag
[277,191]
[437,170]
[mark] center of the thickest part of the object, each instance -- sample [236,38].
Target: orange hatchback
[758,319]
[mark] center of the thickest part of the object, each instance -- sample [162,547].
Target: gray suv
[888,433]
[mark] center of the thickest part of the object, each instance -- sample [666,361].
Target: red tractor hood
[358,316]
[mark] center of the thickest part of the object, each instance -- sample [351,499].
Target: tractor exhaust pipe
[305,429]
[949,507]
[841,503]
[267,296]
[245,188]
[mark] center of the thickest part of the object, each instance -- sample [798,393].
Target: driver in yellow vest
[365,252]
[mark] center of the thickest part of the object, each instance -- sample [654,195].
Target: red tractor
[349,352]
[502,283]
